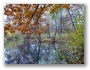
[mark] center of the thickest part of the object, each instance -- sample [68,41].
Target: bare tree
[72,20]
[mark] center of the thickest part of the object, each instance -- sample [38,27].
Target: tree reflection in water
[38,53]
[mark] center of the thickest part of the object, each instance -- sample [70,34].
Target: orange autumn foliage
[28,16]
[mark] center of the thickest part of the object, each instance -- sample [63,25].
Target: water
[40,53]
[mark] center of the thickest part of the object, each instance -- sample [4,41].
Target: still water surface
[39,53]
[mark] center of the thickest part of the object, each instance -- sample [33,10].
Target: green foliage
[80,17]
[54,15]
[77,38]
[13,40]
[56,58]
[63,56]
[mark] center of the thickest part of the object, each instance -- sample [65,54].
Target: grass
[13,40]
[16,39]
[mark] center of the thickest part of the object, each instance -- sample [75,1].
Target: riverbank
[52,40]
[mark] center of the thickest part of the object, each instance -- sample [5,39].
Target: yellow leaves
[26,14]
[26,5]
[39,10]
[21,27]
[52,11]
[12,31]
[55,7]
[31,11]
[20,23]
[25,20]
[46,9]
[5,33]
[42,12]
[47,24]
[35,23]
[8,25]
[15,21]
[16,15]
[8,33]
[27,32]
[34,6]
[8,28]
[67,6]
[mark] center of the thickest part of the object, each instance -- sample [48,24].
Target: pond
[40,53]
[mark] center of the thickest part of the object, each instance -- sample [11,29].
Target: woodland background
[44,33]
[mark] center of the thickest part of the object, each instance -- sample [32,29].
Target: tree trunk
[72,20]
[39,37]
[55,32]
[49,33]
[61,23]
